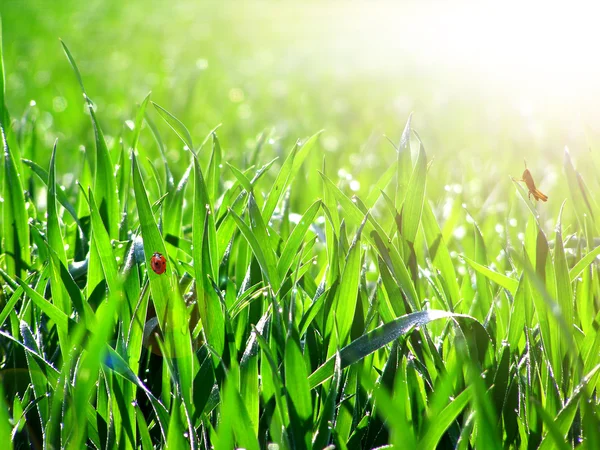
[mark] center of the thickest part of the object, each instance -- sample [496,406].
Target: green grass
[433,306]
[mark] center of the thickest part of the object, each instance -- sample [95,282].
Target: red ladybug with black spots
[158,263]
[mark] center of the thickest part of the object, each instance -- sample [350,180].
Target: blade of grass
[105,187]
[501,280]
[415,193]
[377,338]
[15,218]
[286,175]
[176,125]
[403,164]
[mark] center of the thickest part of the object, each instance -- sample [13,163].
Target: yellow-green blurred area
[489,85]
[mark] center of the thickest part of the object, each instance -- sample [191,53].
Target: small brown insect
[528,180]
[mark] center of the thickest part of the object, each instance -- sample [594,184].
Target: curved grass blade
[62,198]
[56,315]
[115,362]
[443,420]
[583,263]
[501,280]
[377,338]
[243,180]
[176,125]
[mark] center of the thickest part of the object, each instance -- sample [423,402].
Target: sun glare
[544,49]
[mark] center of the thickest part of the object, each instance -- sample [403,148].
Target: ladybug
[158,263]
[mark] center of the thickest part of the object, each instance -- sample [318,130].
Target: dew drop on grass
[460,232]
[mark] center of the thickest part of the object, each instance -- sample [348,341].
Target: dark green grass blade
[115,362]
[5,426]
[55,239]
[296,382]
[328,412]
[205,263]
[15,218]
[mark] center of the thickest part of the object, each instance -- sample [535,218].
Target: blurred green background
[488,85]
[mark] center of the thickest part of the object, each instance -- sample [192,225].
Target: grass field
[351,260]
